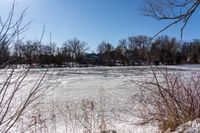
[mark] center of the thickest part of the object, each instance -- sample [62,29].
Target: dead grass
[169,99]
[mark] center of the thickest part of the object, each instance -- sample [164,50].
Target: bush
[170,99]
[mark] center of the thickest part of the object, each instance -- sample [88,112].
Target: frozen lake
[115,85]
[110,91]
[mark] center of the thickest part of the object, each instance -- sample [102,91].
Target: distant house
[156,62]
[92,59]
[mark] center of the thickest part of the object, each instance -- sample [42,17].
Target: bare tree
[104,47]
[105,50]
[29,51]
[66,52]
[123,45]
[164,49]
[176,11]
[20,89]
[10,28]
[76,47]
[4,52]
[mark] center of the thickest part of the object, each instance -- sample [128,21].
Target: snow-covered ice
[109,89]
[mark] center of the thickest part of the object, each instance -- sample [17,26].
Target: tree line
[134,50]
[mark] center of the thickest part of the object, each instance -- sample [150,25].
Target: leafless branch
[175,11]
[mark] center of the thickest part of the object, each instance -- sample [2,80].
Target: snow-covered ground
[110,88]
[95,98]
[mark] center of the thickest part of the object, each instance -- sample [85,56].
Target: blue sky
[93,21]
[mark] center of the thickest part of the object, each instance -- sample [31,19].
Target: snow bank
[189,127]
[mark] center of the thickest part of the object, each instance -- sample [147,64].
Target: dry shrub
[169,99]
[20,95]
